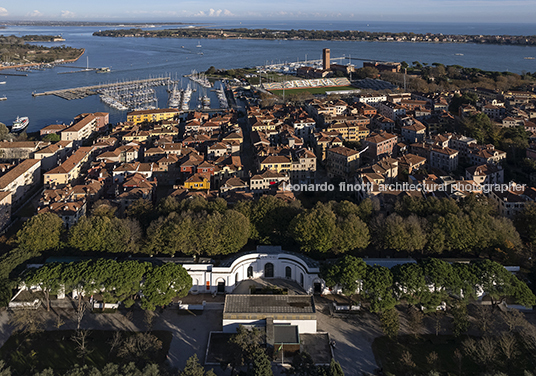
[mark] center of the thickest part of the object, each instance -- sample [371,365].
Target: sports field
[313,90]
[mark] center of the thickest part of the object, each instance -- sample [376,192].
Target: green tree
[52,137]
[335,368]
[348,272]
[402,234]
[194,368]
[377,286]
[350,233]
[390,322]
[410,283]
[525,222]
[302,365]
[261,364]
[460,322]
[40,233]
[4,132]
[104,234]
[243,345]
[313,229]
[47,278]
[233,232]
[143,211]
[163,283]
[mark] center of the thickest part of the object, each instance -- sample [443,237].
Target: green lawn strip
[56,350]
[388,354]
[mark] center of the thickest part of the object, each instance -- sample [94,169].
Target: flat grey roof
[300,304]
[286,334]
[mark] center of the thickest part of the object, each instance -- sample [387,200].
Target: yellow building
[197,182]
[350,132]
[152,116]
[277,163]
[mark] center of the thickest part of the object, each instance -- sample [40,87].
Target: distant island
[353,35]
[15,51]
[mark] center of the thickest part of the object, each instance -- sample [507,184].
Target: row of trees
[192,368]
[427,283]
[201,227]
[116,281]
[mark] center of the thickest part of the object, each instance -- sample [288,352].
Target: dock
[14,74]
[84,91]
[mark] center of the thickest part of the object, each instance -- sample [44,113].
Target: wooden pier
[82,92]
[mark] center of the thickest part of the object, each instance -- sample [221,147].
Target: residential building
[485,174]
[197,182]
[5,209]
[380,145]
[414,132]
[392,110]
[19,180]
[70,212]
[70,169]
[512,201]
[278,163]
[16,150]
[52,129]
[445,159]
[51,155]
[341,161]
[80,130]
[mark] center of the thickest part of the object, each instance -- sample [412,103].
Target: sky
[482,11]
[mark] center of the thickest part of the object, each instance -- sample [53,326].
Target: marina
[125,97]
[200,78]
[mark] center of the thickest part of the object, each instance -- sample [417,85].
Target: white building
[265,262]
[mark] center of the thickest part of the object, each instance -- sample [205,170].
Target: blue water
[135,58]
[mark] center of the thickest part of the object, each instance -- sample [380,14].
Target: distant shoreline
[319,35]
[89,24]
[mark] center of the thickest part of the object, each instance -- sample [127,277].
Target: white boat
[458,54]
[20,124]
[199,44]
[2,82]
[102,70]
[528,58]
[4,98]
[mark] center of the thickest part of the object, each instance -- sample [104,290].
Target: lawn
[388,354]
[312,90]
[56,350]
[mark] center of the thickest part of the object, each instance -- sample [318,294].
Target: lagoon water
[136,58]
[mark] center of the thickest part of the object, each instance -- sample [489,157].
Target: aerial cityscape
[226,188]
